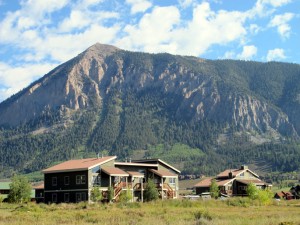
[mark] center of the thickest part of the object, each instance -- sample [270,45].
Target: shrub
[125,196]
[96,194]
[252,191]
[20,190]
[150,192]
[1,199]
[265,197]
[110,193]
[214,189]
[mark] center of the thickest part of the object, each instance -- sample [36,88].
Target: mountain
[200,114]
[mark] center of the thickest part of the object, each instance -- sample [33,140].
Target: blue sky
[38,35]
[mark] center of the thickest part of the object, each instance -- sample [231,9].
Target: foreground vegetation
[234,211]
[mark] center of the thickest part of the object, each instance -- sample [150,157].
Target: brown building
[73,180]
[232,182]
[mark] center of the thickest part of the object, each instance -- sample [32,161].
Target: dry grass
[173,212]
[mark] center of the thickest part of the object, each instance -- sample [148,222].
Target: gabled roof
[254,181]
[163,173]
[79,164]
[235,172]
[207,182]
[135,164]
[113,171]
[157,161]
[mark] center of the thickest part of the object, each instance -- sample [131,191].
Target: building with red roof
[73,180]
[232,182]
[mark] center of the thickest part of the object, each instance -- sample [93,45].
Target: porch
[166,183]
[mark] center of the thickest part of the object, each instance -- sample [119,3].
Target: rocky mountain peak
[102,50]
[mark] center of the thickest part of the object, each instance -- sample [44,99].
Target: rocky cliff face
[201,92]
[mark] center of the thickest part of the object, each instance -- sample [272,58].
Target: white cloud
[37,9]
[229,55]
[15,78]
[276,54]
[264,8]
[208,28]
[185,3]
[276,3]
[254,28]
[77,20]
[153,31]
[60,49]
[139,5]
[281,22]
[248,52]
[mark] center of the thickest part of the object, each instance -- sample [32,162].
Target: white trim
[135,164]
[49,191]
[245,170]
[79,169]
[173,168]
[98,164]
[66,170]
[227,182]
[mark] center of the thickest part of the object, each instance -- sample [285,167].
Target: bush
[150,192]
[96,194]
[252,191]
[265,197]
[20,190]
[110,193]
[125,196]
[238,201]
[214,189]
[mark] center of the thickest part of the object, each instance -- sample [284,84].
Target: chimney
[98,155]
[130,160]
[230,175]
[244,167]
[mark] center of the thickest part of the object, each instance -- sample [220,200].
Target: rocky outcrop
[85,81]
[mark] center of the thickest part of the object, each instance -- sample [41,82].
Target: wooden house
[73,180]
[232,182]
[284,195]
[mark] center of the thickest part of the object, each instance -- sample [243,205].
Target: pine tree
[150,192]
[214,189]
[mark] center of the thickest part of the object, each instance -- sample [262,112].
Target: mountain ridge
[119,101]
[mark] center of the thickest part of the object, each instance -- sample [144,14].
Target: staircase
[170,192]
[117,190]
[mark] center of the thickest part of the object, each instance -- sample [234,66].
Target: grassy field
[234,211]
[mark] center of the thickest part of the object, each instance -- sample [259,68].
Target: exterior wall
[60,196]
[246,175]
[200,190]
[62,187]
[39,195]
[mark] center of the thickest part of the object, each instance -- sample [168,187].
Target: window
[67,180]
[96,180]
[172,180]
[54,181]
[80,196]
[83,179]
[66,197]
[54,197]
[243,188]
[80,179]
[242,174]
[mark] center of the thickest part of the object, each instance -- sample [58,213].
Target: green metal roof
[4,185]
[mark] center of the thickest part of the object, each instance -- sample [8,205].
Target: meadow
[220,212]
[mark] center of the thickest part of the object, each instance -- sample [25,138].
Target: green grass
[173,212]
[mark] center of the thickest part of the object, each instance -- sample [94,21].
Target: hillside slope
[115,101]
